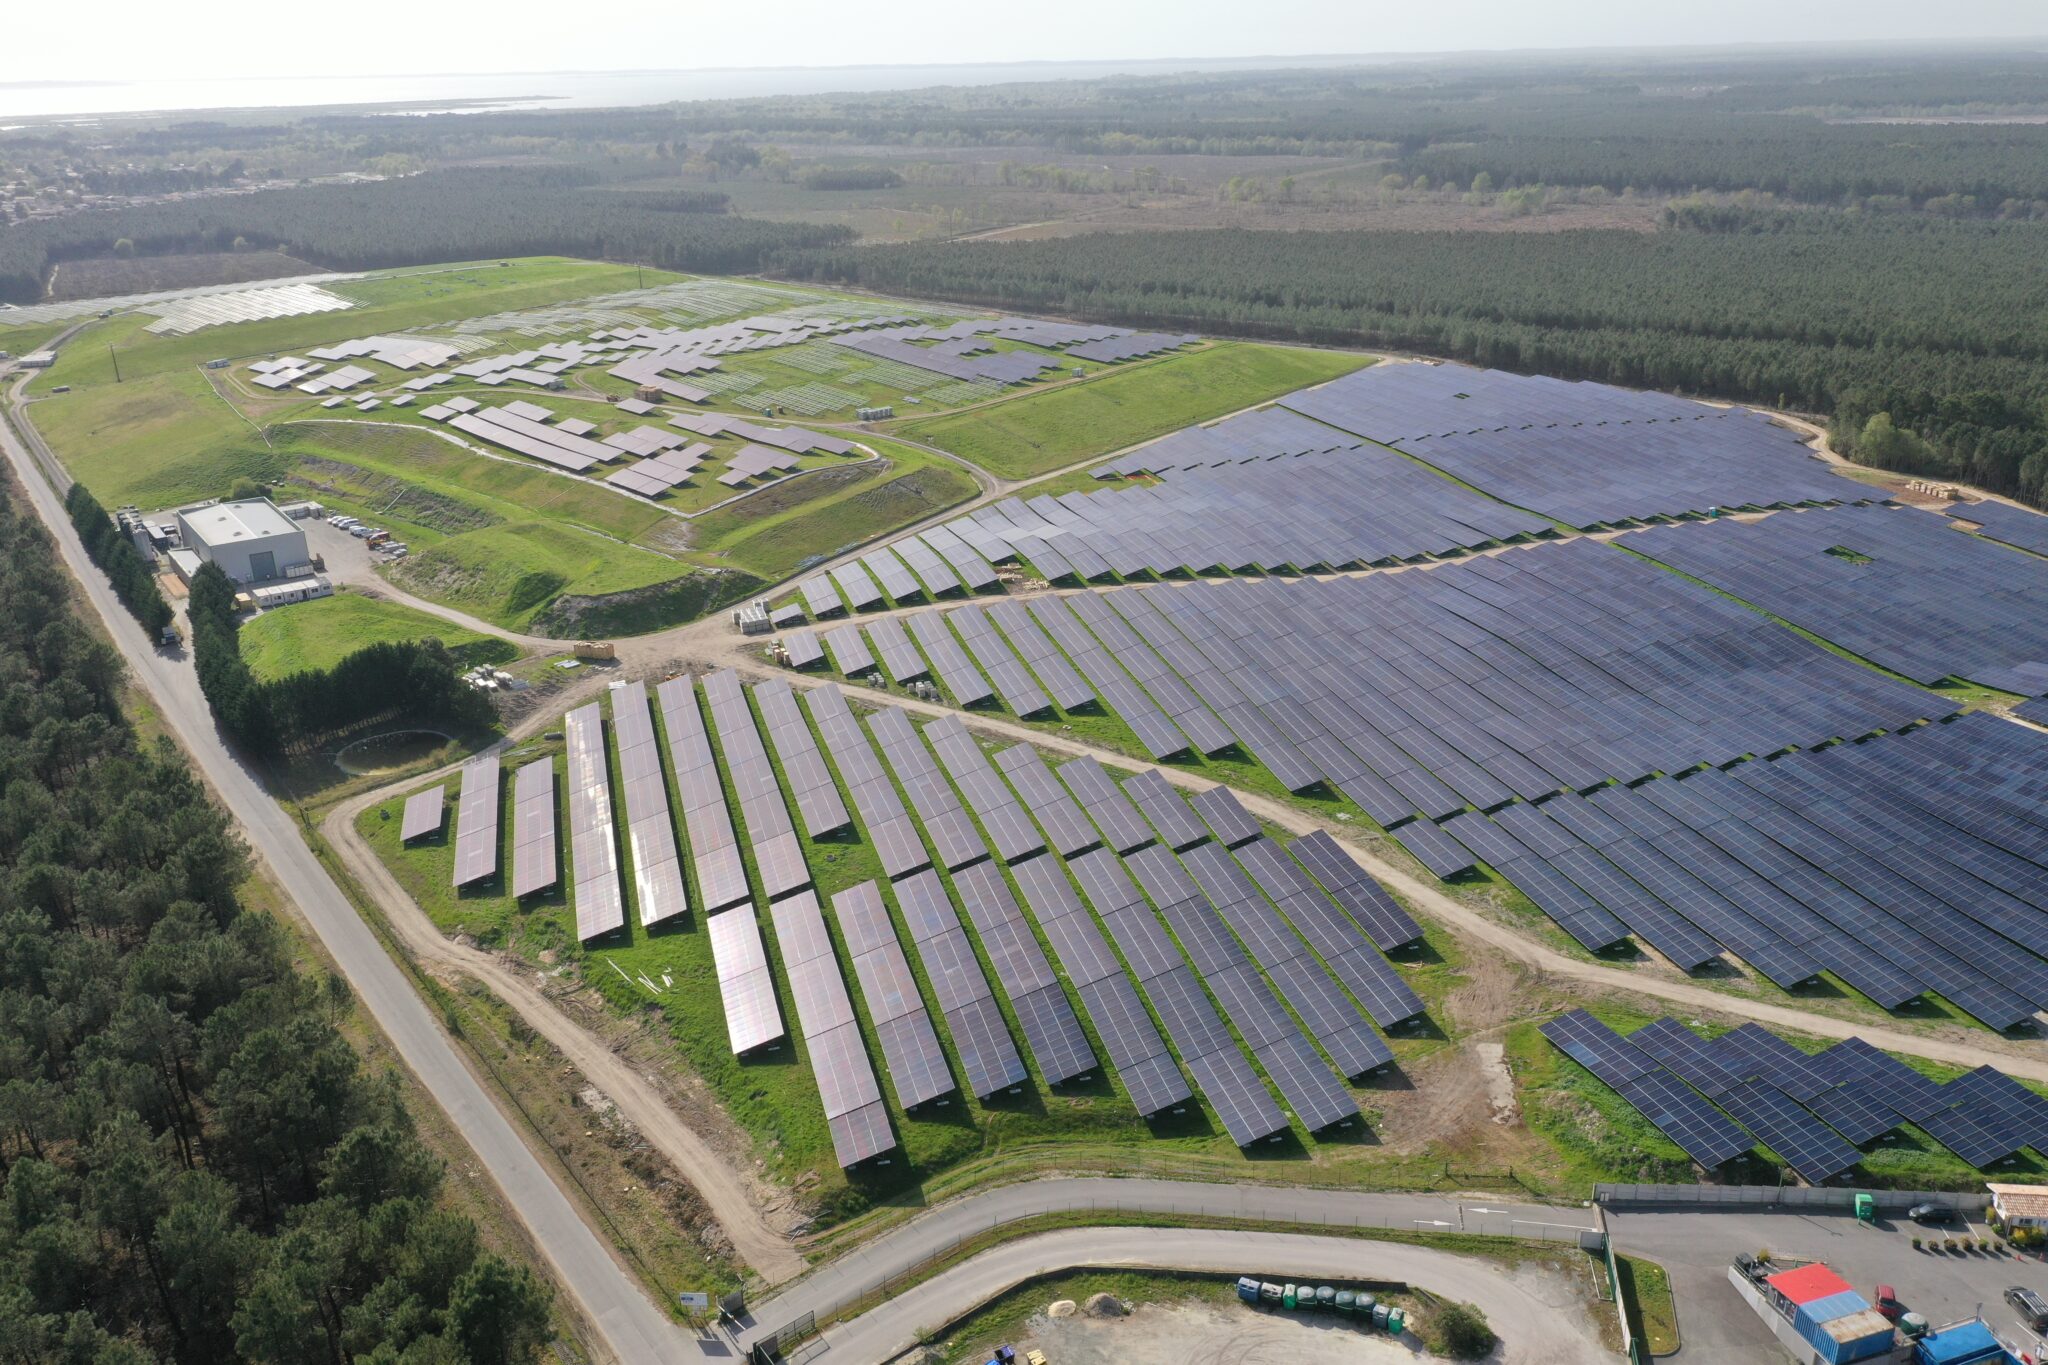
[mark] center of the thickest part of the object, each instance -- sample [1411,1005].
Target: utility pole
[638,282]
[117,362]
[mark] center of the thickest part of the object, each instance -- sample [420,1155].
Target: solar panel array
[899,657]
[1907,864]
[1909,593]
[423,812]
[1009,828]
[2005,523]
[1364,899]
[1352,506]
[962,680]
[854,1111]
[536,863]
[476,821]
[889,827]
[946,823]
[2035,710]
[849,651]
[1067,829]
[714,848]
[1005,367]
[1812,1109]
[1385,997]
[1252,1006]
[803,649]
[888,570]
[1110,350]
[1040,655]
[1555,667]
[1212,1057]
[593,850]
[746,988]
[980,1036]
[903,1029]
[1051,1030]
[1123,828]
[650,836]
[933,572]
[778,854]
[1140,1056]
[1585,454]
[803,768]
[1010,679]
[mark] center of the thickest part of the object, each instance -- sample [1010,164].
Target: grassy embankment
[318,634]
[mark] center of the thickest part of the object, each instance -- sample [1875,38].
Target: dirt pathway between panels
[735,1200]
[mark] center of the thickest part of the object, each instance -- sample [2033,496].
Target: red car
[1887,1303]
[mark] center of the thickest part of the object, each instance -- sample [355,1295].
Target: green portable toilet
[1287,1296]
[1397,1321]
[1866,1208]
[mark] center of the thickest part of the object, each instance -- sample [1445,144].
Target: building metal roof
[250,519]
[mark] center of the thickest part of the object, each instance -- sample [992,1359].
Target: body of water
[559,89]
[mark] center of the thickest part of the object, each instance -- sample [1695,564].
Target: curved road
[630,1325]
[1539,1320]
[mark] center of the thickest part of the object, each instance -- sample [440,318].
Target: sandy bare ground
[1207,1334]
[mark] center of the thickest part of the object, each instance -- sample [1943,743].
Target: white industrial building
[251,540]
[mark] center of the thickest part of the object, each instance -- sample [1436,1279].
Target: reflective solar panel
[1682,1115]
[752,1017]
[1050,1030]
[422,815]
[1386,923]
[846,1081]
[476,822]
[987,1055]
[1123,829]
[598,900]
[1596,1047]
[1799,1139]
[658,883]
[1163,807]
[535,862]
[1219,809]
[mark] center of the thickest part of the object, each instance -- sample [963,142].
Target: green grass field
[1035,433]
[774,536]
[512,573]
[318,634]
[397,300]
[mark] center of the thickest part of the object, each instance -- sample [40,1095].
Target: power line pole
[117,362]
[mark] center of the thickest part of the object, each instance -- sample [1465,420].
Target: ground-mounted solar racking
[975,1022]
[2004,523]
[931,571]
[1008,827]
[1067,830]
[658,883]
[1252,1006]
[1894,585]
[714,848]
[1042,657]
[1389,926]
[1123,828]
[859,589]
[855,1112]
[895,580]
[903,1028]
[536,863]
[1051,1031]
[802,650]
[849,651]
[1163,807]
[1010,679]
[778,853]
[804,773]
[950,662]
[1328,1017]
[476,821]
[900,659]
[1160,737]
[888,825]
[1208,1051]
[947,826]
[746,986]
[599,902]
[821,598]
[1388,1000]
[423,814]
[1136,1051]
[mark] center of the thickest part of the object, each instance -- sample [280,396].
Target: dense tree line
[451,215]
[133,579]
[673,201]
[194,1166]
[413,679]
[851,178]
[1942,324]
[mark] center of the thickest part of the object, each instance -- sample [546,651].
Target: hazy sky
[135,39]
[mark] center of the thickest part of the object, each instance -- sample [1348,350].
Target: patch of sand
[1213,1334]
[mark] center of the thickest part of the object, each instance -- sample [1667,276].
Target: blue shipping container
[1833,1306]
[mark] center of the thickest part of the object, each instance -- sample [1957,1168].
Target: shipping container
[1833,1306]
[1858,1336]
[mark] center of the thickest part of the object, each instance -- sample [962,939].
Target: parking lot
[1714,1324]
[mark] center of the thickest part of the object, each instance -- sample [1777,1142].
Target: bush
[1916,1244]
[134,582]
[1462,1332]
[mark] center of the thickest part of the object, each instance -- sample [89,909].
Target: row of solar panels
[1895,585]
[1717,1098]
[1911,863]
[1219,883]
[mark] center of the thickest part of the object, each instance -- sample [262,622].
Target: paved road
[931,1234]
[1540,1317]
[1715,1325]
[634,1328]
